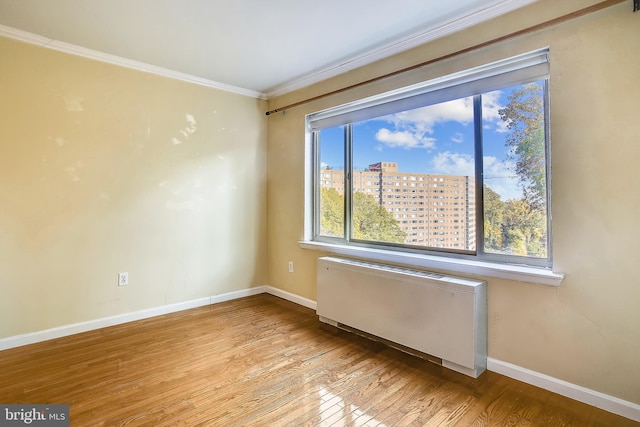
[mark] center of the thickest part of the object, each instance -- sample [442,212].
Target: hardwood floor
[263,361]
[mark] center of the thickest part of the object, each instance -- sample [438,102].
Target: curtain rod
[559,20]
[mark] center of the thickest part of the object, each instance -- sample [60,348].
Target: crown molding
[27,37]
[380,52]
[393,48]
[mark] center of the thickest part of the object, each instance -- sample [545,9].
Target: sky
[436,139]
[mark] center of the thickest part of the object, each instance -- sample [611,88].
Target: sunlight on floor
[334,411]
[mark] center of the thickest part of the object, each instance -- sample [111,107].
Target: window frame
[477,80]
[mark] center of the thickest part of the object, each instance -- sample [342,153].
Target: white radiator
[439,315]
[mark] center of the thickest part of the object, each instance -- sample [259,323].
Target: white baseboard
[600,400]
[76,328]
[290,297]
[594,398]
[237,294]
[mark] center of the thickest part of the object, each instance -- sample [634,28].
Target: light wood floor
[263,361]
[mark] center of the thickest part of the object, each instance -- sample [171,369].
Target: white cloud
[405,139]
[425,118]
[498,175]
[490,106]
[414,128]
[457,137]
[448,163]
[490,114]
[411,128]
[501,127]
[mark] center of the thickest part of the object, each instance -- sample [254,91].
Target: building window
[486,129]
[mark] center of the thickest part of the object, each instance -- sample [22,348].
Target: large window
[457,166]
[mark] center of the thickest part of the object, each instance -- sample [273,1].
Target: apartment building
[200,196]
[433,210]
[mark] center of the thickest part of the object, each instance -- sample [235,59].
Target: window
[480,136]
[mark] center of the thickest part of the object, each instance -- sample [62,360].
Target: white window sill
[502,271]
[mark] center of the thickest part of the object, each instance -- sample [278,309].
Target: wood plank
[261,361]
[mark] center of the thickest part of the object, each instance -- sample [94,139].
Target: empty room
[294,213]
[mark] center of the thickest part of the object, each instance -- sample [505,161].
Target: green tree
[493,212]
[331,213]
[524,229]
[370,220]
[373,222]
[524,115]
[513,227]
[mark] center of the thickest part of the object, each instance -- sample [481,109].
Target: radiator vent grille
[434,314]
[391,268]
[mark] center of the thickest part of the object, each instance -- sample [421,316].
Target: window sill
[503,271]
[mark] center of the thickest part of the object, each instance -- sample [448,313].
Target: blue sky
[435,139]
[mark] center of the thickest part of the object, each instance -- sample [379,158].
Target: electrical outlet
[290,266]
[123,279]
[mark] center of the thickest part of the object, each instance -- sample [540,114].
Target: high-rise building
[433,210]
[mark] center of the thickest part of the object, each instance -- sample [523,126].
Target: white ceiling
[265,47]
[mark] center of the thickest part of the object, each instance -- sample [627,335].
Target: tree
[370,220]
[524,229]
[493,212]
[513,227]
[524,115]
[331,213]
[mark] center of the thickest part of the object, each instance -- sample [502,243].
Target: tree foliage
[373,222]
[370,220]
[513,227]
[524,229]
[331,213]
[519,227]
[524,116]
[493,213]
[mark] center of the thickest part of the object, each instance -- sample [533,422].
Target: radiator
[441,316]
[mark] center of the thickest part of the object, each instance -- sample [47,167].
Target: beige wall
[105,169]
[587,331]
